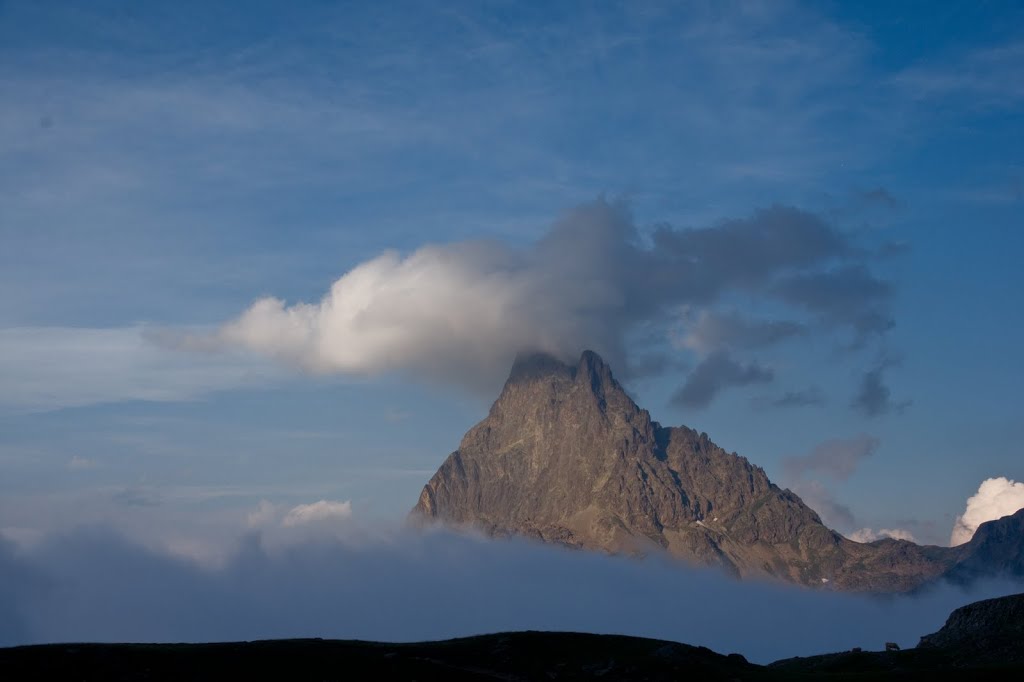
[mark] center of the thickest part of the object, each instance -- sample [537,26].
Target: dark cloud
[874,398]
[411,586]
[708,331]
[849,295]
[837,458]
[716,372]
[811,396]
[746,253]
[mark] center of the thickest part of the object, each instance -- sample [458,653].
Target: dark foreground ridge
[566,456]
[978,642]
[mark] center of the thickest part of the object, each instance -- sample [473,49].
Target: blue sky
[161,169]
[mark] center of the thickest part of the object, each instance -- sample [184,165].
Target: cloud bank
[459,313]
[92,585]
[996,498]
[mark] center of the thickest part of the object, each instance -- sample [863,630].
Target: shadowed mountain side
[505,656]
[991,629]
[996,548]
[566,456]
[979,641]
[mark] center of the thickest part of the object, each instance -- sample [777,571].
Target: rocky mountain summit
[566,456]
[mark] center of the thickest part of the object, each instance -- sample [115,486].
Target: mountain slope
[519,656]
[997,548]
[566,456]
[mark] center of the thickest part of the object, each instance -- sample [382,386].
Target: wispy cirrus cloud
[48,368]
[254,122]
[987,77]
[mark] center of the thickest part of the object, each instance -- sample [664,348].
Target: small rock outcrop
[992,629]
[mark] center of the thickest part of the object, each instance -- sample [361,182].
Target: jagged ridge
[566,456]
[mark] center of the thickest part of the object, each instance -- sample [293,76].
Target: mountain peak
[530,365]
[538,364]
[535,375]
[592,366]
[566,456]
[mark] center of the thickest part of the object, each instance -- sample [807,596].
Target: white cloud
[324,510]
[869,535]
[996,498]
[457,313]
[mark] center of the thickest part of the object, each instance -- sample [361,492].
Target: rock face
[992,629]
[566,456]
[997,548]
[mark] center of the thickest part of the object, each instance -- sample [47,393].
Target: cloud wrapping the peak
[459,313]
[996,498]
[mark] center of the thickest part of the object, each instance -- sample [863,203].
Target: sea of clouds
[330,578]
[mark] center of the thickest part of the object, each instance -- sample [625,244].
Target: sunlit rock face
[566,456]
